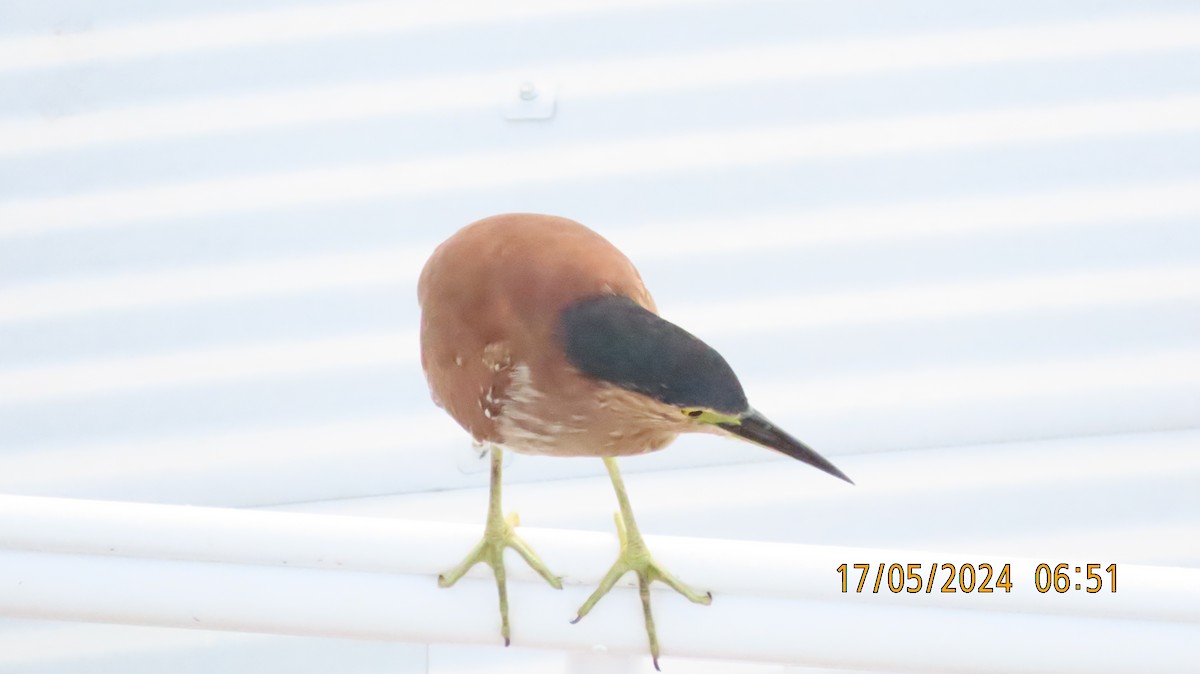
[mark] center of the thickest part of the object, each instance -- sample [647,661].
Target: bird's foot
[635,557]
[498,535]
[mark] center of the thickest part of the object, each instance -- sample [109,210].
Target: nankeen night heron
[537,335]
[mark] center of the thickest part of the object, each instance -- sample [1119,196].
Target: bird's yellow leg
[497,535]
[635,556]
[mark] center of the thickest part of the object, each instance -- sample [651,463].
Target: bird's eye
[695,413]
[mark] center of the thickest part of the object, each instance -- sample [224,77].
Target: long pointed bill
[757,429]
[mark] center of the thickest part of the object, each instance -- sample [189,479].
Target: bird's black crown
[615,339]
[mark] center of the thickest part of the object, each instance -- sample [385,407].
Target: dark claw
[577,619]
[656,667]
[506,642]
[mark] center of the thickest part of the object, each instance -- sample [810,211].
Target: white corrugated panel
[953,245]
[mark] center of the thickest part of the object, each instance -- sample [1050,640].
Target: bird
[538,336]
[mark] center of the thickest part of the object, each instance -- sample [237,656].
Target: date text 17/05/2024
[980,578]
